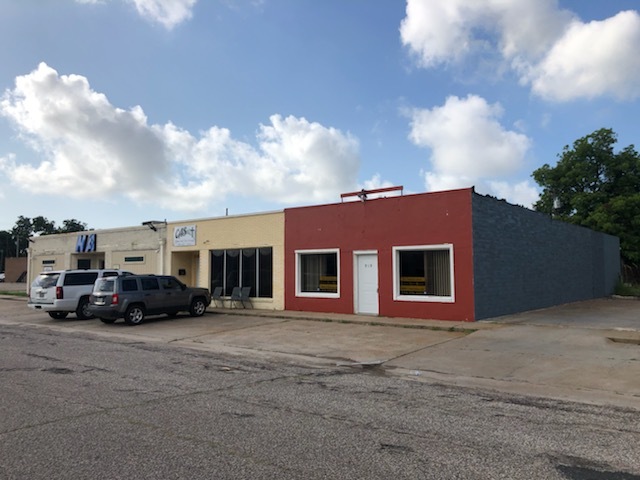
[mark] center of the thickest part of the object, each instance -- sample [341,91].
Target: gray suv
[135,296]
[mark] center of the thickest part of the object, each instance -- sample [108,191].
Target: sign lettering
[184,236]
[86,243]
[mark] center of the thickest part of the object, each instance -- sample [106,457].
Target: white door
[367,283]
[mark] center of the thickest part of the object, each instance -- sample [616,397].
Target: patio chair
[241,295]
[235,296]
[216,296]
[244,296]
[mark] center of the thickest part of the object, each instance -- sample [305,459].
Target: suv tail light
[114,299]
[59,293]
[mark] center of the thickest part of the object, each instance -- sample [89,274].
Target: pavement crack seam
[421,349]
[182,339]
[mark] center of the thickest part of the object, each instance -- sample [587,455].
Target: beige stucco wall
[242,231]
[191,264]
[57,252]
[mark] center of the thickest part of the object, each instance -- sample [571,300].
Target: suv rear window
[46,280]
[84,278]
[105,285]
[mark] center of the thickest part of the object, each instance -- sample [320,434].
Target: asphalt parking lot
[585,351]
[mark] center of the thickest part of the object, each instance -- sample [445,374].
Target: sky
[116,112]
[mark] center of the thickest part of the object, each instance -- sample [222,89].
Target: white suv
[65,291]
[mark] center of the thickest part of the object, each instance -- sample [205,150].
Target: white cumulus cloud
[90,148]
[168,13]
[439,32]
[550,49]
[436,32]
[469,146]
[592,59]
[376,182]
[466,138]
[522,193]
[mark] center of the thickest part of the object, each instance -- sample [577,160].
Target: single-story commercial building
[229,252]
[136,249]
[452,255]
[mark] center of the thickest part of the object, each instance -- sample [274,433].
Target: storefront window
[249,270]
[317,273]
[423,273]
[265,272]
[217,269]
[232,271]
[247,267]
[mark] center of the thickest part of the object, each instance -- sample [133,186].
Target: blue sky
[115,112]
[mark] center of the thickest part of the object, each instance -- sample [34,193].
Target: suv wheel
[197,307]
[82,312]
[134,315]
[58,315]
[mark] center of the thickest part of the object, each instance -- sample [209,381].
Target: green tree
[20,234]
[43,226]
[594,186]
[14,242]
[7,247]
[72,225]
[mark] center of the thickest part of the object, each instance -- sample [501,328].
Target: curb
[398,323]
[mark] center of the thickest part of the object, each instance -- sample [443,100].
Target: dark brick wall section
[523,260]
[611,264]
[15,268]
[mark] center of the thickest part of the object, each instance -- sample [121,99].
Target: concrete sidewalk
[546,353]
[586,351]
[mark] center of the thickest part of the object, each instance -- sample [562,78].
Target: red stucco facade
[379,225]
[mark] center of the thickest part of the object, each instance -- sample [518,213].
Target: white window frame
[422,298]
[299,292]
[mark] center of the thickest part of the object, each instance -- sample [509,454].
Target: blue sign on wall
[86,243]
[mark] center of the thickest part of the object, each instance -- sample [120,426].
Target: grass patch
[627,289]
[13,294]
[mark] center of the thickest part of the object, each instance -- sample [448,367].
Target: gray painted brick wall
[524,260]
